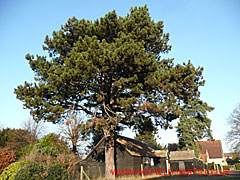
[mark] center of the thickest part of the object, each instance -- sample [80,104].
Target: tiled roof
[214,148]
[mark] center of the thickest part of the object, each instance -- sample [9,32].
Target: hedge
[10,172]
[237,166]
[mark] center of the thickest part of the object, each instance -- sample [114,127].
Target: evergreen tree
[193,124]
[149,137]
[112,70]
[146,131]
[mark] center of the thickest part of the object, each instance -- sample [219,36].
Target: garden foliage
[36,171]
[10,172]
[7,157]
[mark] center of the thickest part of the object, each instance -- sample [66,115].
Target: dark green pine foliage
[149,137]
[112,70]
[193,124]
[146,132]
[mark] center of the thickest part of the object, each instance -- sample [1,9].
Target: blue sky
[206,32]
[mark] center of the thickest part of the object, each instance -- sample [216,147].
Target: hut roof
[139,148]
[134,147]
[182,155]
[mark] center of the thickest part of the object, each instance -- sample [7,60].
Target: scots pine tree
[193,124]
[112,70]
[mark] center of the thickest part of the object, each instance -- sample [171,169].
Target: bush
[59,173]
[50,145]
[31,171]
[11,170]
[24,151]
[211,166]
[14,139]
[226,167]
[237,166]
[7,157]
[67,160]
[47,150]
[34,171]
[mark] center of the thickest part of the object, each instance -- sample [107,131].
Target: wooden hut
[184,160]
[129,154]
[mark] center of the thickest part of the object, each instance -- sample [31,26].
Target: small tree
[35,129]
[194,124]
[72,129]
[233,135]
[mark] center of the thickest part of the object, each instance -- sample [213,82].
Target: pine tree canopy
[112,70]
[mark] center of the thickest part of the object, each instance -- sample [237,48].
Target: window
[151,161]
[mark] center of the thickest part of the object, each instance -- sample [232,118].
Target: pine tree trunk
[109,152]
[74,149]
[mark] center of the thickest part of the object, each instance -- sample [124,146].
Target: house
[129,154]
[211,152]
[184,160]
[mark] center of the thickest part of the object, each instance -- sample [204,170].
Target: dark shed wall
[161,163]
[93,169]
[123,159]
[188,164]
[137,161]
[198,164]
[94,165]
[174,165]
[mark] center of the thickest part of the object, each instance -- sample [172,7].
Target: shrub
[34,171]
[14,139]
[47,150]
[24,151]
[211,166]
[11,170]
[59,173]
[67,160]
[30,172]
[51,145]
[7,157]
[237,166]
[226,167]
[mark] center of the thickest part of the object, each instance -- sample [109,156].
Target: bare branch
[72,129]
[36,129]
[233,135]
